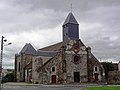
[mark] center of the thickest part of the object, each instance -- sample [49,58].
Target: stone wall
[76,62]
[92,63]
[114,77]
[44,73]
[22,61]
[80,66]
[36,62]
[73,62]
[18,68]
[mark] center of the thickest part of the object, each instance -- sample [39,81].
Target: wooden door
[53,78]
[96,76]
[76,77]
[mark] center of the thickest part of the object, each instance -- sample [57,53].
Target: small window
[19,67]
[53,69]
[95,68]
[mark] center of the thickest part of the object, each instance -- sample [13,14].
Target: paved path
[25,86]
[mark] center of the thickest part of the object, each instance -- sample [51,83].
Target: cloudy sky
[39,22]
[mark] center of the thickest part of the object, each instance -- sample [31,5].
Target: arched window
[95,68]
[76,59]
[53,69]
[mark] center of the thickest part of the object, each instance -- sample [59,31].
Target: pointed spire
[70,19]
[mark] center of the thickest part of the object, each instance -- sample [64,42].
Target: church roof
[70,19]
[28,49]
[46,53]
[54,47]
[52,50]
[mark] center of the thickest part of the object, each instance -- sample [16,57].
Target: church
[69,61]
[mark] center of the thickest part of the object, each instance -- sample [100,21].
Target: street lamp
[1,57]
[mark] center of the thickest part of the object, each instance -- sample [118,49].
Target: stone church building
[69,61]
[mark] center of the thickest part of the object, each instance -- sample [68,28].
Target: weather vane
[71,7]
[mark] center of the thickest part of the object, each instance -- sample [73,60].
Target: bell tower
[70,29]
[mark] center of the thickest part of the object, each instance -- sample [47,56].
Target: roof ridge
[70,19]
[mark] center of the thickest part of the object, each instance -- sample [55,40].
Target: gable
[49,63]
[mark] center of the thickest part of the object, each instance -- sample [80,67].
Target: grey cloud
[103,39]
[8,64]
[18,18]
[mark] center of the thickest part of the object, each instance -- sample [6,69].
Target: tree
[9,77]
[108,66]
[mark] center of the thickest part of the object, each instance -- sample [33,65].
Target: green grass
[104,88]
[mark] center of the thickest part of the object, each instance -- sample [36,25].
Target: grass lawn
[104,88]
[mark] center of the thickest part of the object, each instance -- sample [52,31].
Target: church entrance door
[53,78]
[96,76]
[76,77]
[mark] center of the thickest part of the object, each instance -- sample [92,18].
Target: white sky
[39,22]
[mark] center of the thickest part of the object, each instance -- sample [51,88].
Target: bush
[8,78]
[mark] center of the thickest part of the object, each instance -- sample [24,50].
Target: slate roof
[46,53]
[52,50]
[28,49]
[54,47]
[70,19]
